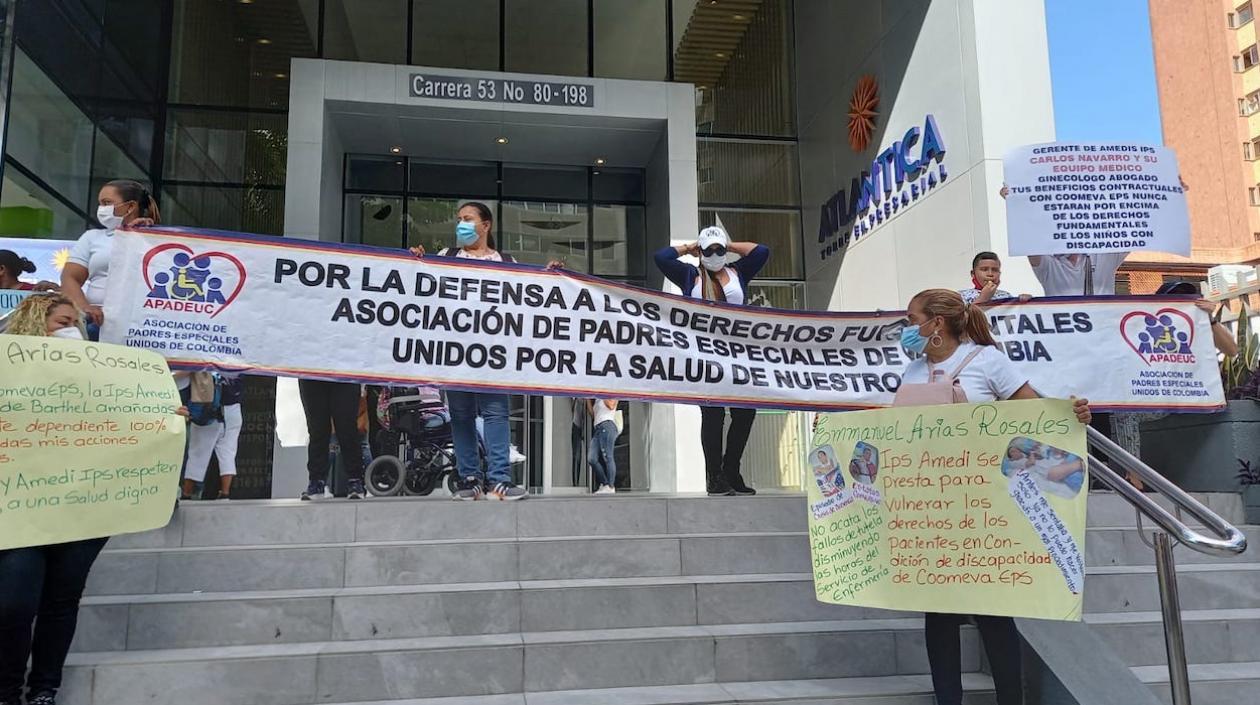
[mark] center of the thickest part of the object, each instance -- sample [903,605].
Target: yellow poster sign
[967,508]
[90,444]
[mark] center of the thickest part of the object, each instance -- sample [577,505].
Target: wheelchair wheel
[429,463]
[384,476]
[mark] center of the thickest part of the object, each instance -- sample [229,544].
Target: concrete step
[145,622]
[1203,586]
[879,690]
[421,562]
[391,669]
[1210,684]
[291,522]
[1212,636]
[1124,546]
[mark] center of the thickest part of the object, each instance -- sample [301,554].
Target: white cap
[713,235]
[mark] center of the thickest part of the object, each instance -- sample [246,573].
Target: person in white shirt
[121,203]
[1076,275]
[603,440]
[948,334]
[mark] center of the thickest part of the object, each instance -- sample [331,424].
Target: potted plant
[1199,452]
[1249,478]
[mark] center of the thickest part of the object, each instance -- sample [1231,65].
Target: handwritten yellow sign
[90,444]
[968,508]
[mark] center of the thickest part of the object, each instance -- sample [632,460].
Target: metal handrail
[1229,542]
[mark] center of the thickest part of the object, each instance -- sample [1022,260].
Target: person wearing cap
[13,266]
[722,280]
[1126,429]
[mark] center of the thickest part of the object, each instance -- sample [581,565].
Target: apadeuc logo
[179,279]
[1164,336]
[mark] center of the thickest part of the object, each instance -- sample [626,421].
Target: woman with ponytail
[120,204]
[718,280]
[956,352]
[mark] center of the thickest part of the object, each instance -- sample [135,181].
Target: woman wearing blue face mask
[954,343]
[718,279]
[473,241]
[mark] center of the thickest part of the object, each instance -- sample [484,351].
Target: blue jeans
[493,408]
[603,464]
[40,585]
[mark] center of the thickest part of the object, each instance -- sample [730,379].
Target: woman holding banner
[473,240]
[41,585]
[121,203]
[726,282]
[957,354]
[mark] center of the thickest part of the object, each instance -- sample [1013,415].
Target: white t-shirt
[602,412]
[1059,277]
[990,376]
[92,251]
[494,256]
[731,290]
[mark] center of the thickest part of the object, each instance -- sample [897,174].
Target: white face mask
[69,333]
[105,216]
[713,263]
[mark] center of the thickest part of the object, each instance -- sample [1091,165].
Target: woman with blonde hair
[958,360]
[49,314]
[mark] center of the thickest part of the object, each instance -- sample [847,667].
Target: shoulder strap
[507,258]
[449,252]
[966,360]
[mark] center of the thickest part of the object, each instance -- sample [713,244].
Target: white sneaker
[606,489]
[515,456]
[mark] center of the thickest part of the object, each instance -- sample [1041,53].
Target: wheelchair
[424,455]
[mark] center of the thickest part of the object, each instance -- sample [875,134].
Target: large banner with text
[282,306]
[90,444]
[969,508]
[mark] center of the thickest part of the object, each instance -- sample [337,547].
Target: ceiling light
[395,150]
[282,75]
[264,40]
[738,17]
[246,2]
[600,161]
[720,55]
[501,140]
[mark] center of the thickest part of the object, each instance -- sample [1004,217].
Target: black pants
[720,468]
[40,585]
[577,445]
[338,403]
[1001,645]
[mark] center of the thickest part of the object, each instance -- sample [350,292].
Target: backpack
[946,391]
[205,402]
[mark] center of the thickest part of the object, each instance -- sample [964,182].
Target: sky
[1102,71]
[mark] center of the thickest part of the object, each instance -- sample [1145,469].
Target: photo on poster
[864,465]
[1056,471]
[827,472]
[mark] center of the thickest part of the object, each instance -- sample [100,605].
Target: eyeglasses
[718,250]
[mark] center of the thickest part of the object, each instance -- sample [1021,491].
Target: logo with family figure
[1054,470]
[1164,336]
[179,279]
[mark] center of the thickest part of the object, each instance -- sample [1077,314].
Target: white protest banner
[1089,198]
[288,307]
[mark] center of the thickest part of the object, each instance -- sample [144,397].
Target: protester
[1076,275]
[331,406]
[12,266]
[723,281]
[958,352]
[42,585]
[1126,429]
[219,438]
[473,240]
[986,276]
[121,203]
[603,439]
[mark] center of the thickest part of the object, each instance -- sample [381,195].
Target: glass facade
[192,97]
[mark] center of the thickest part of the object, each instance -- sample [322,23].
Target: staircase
[631,600]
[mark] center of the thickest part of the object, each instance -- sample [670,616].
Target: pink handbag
[946,391]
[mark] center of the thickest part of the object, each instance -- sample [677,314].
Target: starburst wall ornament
[863,109]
